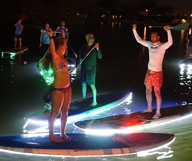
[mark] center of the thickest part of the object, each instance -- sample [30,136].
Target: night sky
[39,10]
[184,6]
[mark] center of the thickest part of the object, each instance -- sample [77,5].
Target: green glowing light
[12,55]
[2,54]
[48,76]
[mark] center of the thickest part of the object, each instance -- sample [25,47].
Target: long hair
[45,64]
[46,61]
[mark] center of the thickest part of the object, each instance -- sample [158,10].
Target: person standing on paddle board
[44,40]
[60,28]
[90,52]
[18,34]
[154,75]
[60,90]
[63,28]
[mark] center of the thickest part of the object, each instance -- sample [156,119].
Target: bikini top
[62,64]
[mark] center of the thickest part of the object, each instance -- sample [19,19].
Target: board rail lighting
[91,114]
[139,128]
[117,152]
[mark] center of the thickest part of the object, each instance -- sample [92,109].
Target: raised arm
[138,38]
[52,44]
[169,37]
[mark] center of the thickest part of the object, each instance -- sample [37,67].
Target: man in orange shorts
[154,74]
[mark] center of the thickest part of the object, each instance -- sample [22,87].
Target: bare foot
[66,137]
[147,111]
[156,116]
[55,139]
[93,104]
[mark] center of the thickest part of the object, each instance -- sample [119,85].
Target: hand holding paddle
[134,26]
[167,27]
[50,32]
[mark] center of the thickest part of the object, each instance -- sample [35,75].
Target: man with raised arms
[154,75]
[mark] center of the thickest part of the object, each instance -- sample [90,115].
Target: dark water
[122,68]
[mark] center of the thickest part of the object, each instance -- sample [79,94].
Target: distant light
[103,15]
[146,10]
[183,20]
[190,15]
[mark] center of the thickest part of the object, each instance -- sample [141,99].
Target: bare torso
[61,73]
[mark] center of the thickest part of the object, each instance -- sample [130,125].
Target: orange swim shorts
[154,78]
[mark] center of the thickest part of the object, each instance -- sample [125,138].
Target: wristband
[51,37]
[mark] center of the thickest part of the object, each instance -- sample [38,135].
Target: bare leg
[15,42]
[149,98]
[157,91]
[20,43]
[57,101]
[94,92]
[64,113]
[84,90]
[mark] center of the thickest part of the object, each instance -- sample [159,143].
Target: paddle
[83,59]
[179,27]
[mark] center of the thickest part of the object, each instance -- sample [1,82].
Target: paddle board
[86,145]
[82,111]
[15,50]
[12,53]
[134,121]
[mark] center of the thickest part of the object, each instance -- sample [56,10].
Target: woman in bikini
[60,89]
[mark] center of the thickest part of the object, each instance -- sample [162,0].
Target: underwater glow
[155,151]
[11,55]
[91,114]
[48,75]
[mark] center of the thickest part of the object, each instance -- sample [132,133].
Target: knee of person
[92,86]
[148,90]
[157,92]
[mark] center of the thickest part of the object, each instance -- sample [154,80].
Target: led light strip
[79,117]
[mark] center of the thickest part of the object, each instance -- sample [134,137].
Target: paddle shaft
[72,49]
[83,59]
[181,26]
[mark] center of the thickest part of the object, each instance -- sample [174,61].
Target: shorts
[88,76]
[18,36]
[154,78]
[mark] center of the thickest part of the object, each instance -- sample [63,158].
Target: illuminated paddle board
[13,52]
[37,122]
[86,145]
[134,121]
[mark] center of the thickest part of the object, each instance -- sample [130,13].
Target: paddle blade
[181,26]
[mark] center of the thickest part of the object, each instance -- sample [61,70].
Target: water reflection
[161,154]
[185,83]
[182,38]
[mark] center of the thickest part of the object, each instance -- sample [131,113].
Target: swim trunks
[88,76]
[154,78]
